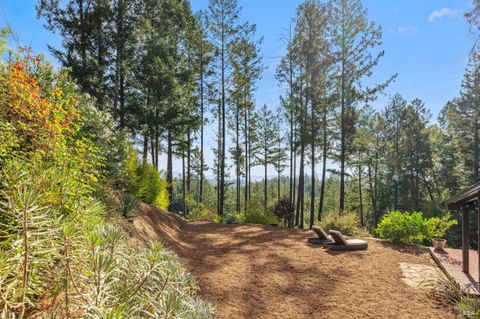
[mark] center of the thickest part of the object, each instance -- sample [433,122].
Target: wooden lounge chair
[341,243]
[322,236]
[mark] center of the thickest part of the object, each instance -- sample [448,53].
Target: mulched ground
[252,271]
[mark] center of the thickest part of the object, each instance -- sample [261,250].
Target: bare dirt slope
[251,271]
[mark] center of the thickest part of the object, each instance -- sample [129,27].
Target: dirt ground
[252,271]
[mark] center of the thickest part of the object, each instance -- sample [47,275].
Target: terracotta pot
[439,244]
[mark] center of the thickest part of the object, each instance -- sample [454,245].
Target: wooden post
[465,240]
[478,237]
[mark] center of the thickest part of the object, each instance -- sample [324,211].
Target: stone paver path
[421,277]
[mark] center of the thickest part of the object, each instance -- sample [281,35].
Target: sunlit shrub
[403,227]
[257,214]
[438,226]
[39,112]
[347,223]
[199,211]
[113,144]
[469,307]
[408,228]
[145,181]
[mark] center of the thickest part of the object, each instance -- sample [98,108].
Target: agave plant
[129,206]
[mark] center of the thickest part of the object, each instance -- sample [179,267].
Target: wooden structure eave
[467,198]
[464,202]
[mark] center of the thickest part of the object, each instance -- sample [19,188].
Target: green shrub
[408,228]
[229,219]
[151,188]
[199,211]
[469,307]
[403,227]
[257,214]
[145,181]
[113,144]
[347,223]
[438,226]
[129,206]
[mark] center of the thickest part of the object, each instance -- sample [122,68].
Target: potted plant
[438,228]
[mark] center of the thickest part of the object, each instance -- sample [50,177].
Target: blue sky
[427,42]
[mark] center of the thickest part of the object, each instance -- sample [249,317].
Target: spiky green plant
[57,249]
[129,206]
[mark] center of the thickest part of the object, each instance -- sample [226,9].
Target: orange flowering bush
[40,117]
[43,116]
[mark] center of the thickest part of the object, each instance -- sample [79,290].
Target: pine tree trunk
[237,157]
[200,191]
[83,36]
[249,160]
[246,159]
[476,152]
[222,153]
[265,186]
[312,146]
[292,169]
[295,184]
[278,185]
[370,183]
[157,142]
[324,165]
[360,195]
[189,176]
[375,210]
[301,188]
[169,169]
[342,141]
[145,147]
[292,173]
[184,186]
[219,154]
[152,148]
[100,60]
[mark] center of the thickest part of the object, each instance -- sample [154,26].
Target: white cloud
[406,30]
[444,13]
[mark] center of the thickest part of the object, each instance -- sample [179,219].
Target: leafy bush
[150,187]
[257,214]
[347,223]
[199,211]
[284,210]
[403,227]
[469,307]
[113,144]
[129,206]
[438,226]
[145,181]
[229,219]
[408,228]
